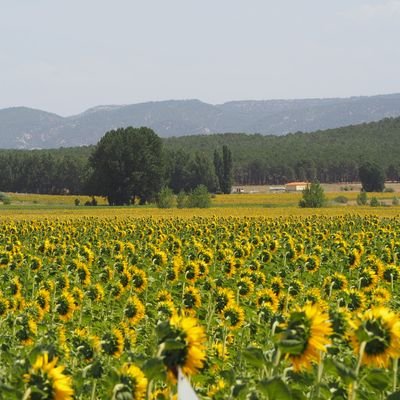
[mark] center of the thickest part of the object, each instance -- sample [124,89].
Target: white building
[296,186]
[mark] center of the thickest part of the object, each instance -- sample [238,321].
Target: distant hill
[25,128]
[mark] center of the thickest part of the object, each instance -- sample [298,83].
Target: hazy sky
[65,56]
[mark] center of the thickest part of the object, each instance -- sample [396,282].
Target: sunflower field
[243,307]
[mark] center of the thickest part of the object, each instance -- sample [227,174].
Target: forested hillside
[330,156]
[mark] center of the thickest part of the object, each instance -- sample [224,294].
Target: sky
[65,56]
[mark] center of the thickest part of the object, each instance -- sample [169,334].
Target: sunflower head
[48,381]
[133,383]
[379,329]
[305,335]
[182,344]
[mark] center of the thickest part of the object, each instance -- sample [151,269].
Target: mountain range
[26,128]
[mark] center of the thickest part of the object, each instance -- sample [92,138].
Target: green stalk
[395,369]
[354,387]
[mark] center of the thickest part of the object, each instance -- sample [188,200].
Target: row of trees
[126,165]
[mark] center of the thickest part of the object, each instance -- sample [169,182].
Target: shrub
[388,190]
[313,196]
[4,198]
[374,202]
[341,199]
[77,202]
[395,201]
[362,198]
[181,199]
[199,197]
[166,198]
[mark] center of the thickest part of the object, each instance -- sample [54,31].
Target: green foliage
[372,177]
[166,198]
[313,196]
[199,197]
[181,199]
[374,202]
[4,198]
[395,201]
[127,163]
[224,169]
[362,198]
[341,199]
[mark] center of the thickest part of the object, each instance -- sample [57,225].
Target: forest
[330,156]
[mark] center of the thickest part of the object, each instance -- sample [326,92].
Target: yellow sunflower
[134,310]
[379,328]
[305,335]
[191,355]
[48,378]
[133,382]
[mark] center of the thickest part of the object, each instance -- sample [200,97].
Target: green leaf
[377,379]
[348,375]
[394,396]
[237,389]
[172,344]
[254,357]
[275,389]
[292,346]
[153,368]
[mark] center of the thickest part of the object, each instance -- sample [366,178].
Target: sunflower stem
[354,386]
[93,394]
[395,369]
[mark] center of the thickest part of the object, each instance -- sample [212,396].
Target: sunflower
[233,316]
[134,310]
[191,355]
[355,299]
[391,273]
[26,330]
[379,327]
[191,271]
[43,301]
[165,309]
[48,379]
[267,296]
[333,282]
[4,305]
[138,279]
[84,344]
[305,335]
[95,292]
[163,295]
[65,306]
[277,285]
[112,343]
[191,298]
[223,297]
[133,383]
[367,279]
[380,296]
[245,286]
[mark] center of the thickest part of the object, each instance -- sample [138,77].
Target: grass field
[243,204]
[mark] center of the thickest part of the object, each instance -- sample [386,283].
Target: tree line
[127,165]
[216,161]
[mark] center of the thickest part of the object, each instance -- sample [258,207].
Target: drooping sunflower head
[223,297]
[188,349]
[46,377]
[134,310]
[112,343]
[379,329]
[233,316]
[305,335]
[133,383]
[267,296]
